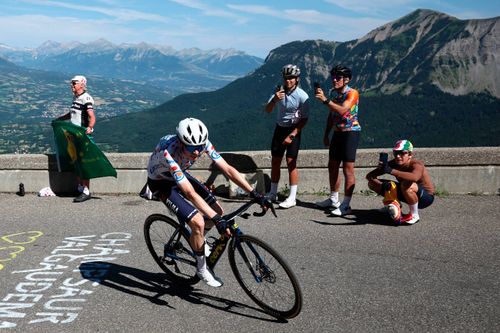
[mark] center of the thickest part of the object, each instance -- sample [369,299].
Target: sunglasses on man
[192,149]
[400,152]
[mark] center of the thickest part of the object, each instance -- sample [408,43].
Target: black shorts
[344,145]
[175,199]
[277,146]
[425,199]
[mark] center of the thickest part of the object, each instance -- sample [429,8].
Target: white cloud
[210,11]
[308,16]
[256,9]
[378,7]
[119,13]
[61,29]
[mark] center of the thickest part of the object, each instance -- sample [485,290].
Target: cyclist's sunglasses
[192,149]
[400,152]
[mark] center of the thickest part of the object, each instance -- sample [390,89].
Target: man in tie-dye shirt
[343,118]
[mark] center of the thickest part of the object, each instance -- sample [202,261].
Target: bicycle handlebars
[245,206]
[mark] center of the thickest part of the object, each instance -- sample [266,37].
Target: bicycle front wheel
[169,245]
[265,276]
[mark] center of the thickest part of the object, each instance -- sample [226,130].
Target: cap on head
[403,145]
[290,71]
[340,70]
[79,78]
[192,132]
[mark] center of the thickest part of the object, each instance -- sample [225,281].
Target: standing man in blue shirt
[293,111]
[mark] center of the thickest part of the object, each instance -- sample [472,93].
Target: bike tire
[173,254]
[274,287]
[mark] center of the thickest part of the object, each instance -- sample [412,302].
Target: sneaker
[273,197]
[82,197]
[409,218]
[342,210]
[328,203]
[209,278]
[288,203]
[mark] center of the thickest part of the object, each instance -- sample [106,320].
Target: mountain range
[428,77]
[188,70]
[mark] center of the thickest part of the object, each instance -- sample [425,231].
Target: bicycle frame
[220,244]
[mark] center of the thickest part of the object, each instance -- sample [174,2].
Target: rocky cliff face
[470,63]
[407,55]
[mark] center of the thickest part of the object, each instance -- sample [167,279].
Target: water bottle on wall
[21,190]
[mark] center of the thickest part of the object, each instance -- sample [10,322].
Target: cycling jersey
[169,161]
[349,120]
[292,108]
[80,108]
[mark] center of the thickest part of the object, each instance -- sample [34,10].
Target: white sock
[86,190]
[346,201]
[334,196]
[201,263]
[293,191]
[274,188]
[414,209]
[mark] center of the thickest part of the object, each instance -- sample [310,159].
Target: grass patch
[368,193]
[441,192]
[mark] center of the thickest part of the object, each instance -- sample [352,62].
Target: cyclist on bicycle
[187,197]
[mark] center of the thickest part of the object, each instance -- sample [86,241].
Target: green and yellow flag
[77,152]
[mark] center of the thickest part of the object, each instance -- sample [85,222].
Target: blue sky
[253,26]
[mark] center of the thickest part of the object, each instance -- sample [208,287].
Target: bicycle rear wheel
[169,245]
[265,276]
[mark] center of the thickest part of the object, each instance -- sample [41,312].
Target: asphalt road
[68,267]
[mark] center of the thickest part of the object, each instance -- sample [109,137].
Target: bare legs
[348,171]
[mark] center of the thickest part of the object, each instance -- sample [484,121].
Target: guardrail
[453,170]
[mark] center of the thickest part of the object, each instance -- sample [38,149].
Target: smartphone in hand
[383,157]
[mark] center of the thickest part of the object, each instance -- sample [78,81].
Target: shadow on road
[154,286]
[357,217]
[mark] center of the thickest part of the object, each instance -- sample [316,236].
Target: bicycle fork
[262,271]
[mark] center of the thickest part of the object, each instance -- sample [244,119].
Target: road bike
[262,273]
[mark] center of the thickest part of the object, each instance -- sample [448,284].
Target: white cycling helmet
[290,70]
[192,132]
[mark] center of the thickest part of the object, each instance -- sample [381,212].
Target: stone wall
[453,170]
